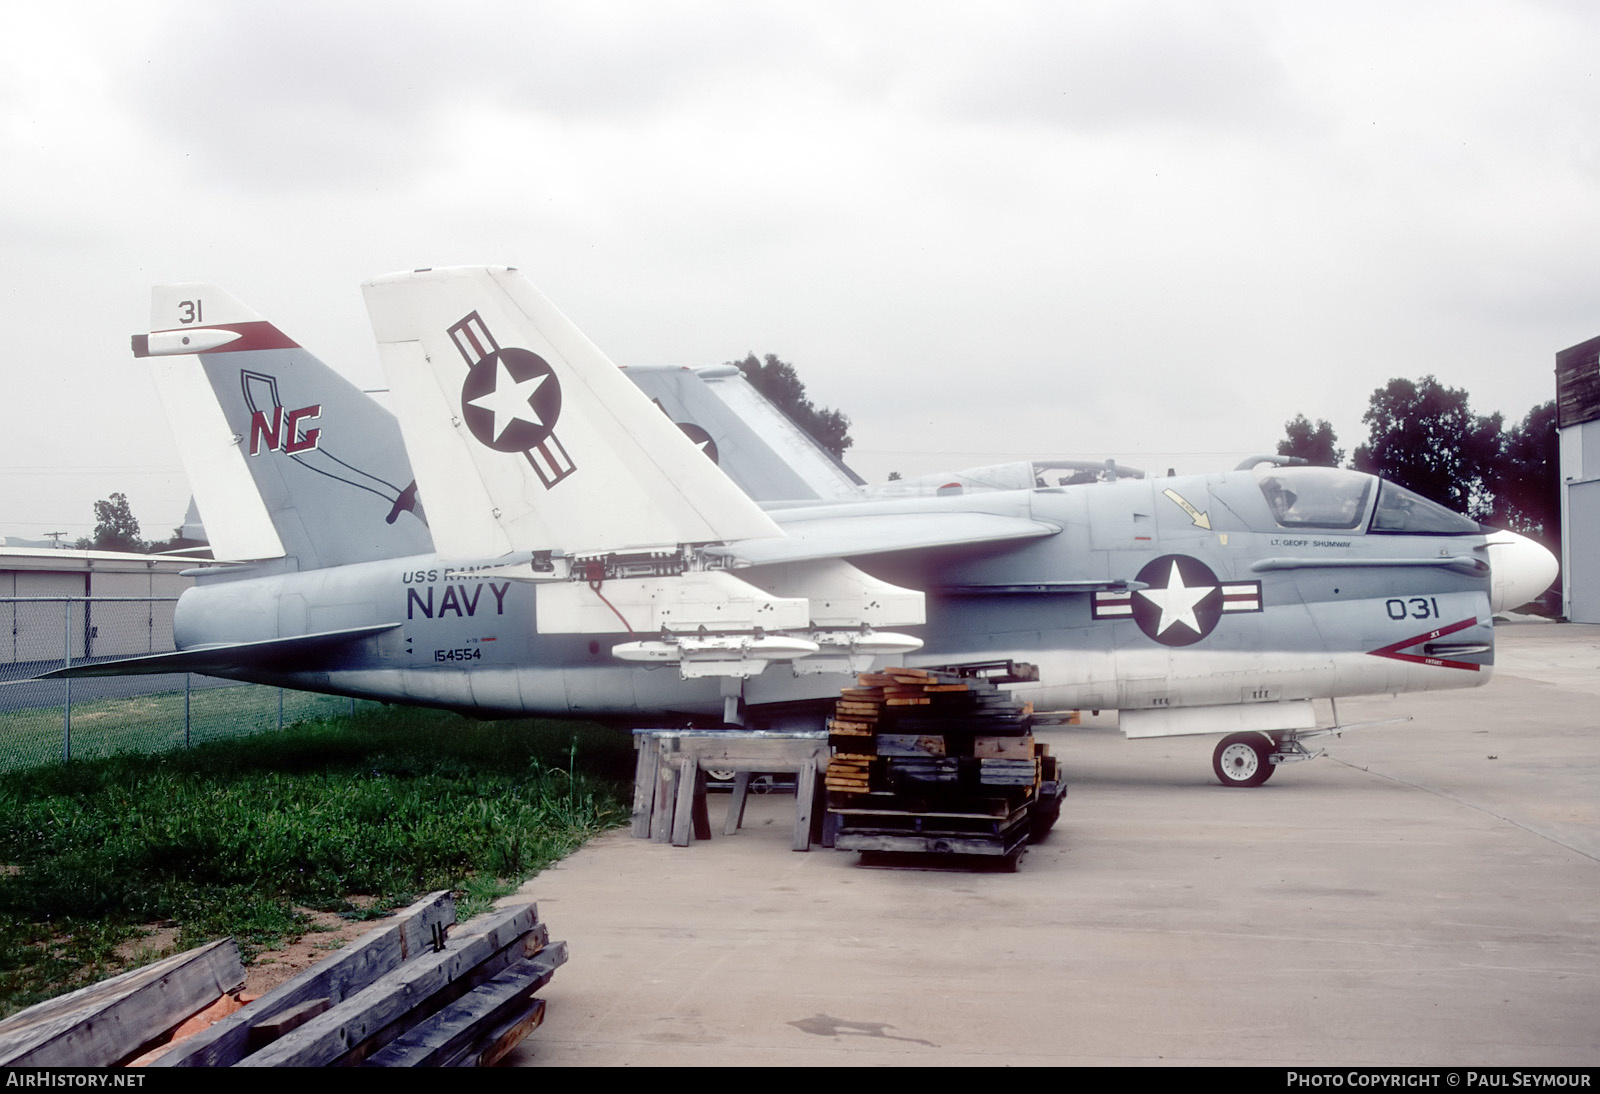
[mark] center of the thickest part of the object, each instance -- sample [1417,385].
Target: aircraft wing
[845,536]
[230,656]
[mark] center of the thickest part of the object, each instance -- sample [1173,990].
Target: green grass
[154,723]
[230,838]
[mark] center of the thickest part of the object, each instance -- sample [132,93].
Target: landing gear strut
[1249,759]
[1244,759]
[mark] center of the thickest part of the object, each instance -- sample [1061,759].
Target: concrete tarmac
[1424,894]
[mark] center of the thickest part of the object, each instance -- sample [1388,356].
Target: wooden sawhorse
[669,786]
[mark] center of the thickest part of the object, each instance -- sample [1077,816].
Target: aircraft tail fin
[525,437]
[285,457]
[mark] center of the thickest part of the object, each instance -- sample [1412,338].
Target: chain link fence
[49,721]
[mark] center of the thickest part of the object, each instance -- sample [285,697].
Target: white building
[34,585]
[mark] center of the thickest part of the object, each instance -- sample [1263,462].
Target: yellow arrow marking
[1199,518]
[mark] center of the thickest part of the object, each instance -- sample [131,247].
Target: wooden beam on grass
[407,933]
[474,1022]
[343,1029]
[106,1023]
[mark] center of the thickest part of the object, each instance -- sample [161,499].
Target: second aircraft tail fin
[743,432]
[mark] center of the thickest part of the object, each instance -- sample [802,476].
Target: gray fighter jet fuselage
[1224,603]
[1132,606]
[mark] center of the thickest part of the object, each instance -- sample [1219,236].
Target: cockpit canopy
[1335,499]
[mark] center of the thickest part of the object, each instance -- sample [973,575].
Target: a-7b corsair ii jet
[581,555]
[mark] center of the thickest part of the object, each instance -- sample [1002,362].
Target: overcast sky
[1153,231]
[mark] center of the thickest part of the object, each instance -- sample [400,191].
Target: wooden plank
[479,924]
[945,845]
[450,1034]
[736,751]
[502,1040]
[999,809]
[874,679]
[666,791]
[805,790]
[736,802]
[330,1036]
[407,933]
[269,1030]
[683,810]
[702,816]
[108,1022]
[1010,748]
[911,744]
[523,947]
[644,784]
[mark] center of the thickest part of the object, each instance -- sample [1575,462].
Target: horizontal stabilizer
[1033,588]
[877,532]
[218,660]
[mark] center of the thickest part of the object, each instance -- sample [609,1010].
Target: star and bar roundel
[1181,602]
[511,400]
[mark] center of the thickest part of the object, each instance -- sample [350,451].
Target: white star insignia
[510,400]
[1177,602]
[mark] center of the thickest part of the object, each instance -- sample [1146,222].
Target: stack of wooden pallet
[404,995]
[937,762]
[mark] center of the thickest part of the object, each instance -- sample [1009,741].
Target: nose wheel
[1244,759]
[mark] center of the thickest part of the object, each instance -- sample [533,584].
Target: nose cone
[1519,570]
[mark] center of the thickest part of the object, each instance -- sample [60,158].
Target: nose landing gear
[1249,759]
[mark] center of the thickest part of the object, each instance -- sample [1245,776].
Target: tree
[1528,483]
[1314,444]
[115,529]
[1425,437]
[176,542]
[777,381]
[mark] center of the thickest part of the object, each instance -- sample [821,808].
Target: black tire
[1242,760]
